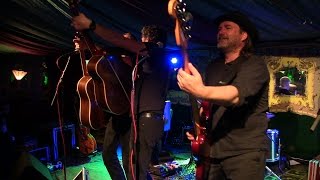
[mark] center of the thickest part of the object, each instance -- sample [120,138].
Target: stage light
[110,57]
[174,60]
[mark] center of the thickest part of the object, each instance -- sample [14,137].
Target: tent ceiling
[42,27]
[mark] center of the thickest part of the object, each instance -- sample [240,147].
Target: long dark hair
[248,48]
[155,34]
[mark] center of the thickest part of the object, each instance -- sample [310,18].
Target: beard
[227,44]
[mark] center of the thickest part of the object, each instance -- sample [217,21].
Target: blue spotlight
[110,57]
[174,60]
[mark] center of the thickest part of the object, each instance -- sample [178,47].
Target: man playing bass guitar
[236,84]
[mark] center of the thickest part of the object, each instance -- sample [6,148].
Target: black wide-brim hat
[243,21]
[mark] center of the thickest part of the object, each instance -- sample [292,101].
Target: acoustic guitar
[87,143]
[199,146]
[90,113]
[100,89]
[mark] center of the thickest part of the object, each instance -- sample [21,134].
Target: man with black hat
[236,85]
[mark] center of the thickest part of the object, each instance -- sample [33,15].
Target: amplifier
[69,137]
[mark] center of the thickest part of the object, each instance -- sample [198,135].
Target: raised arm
[82,22]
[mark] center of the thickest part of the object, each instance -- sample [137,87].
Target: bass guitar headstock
[183,21]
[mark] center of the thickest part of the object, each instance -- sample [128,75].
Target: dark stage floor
[176,155]
[184,169]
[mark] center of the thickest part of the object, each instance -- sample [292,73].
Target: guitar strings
[124,90]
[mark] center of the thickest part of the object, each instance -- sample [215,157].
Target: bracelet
[92,25]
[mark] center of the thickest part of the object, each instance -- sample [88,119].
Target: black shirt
[242,128]
[152,81]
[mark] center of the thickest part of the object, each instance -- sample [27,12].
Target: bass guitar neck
[177,9]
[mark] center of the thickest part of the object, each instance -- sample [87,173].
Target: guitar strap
[217,116]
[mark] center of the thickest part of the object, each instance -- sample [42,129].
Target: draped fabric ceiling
[42,27]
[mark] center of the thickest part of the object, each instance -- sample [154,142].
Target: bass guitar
[199,146]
